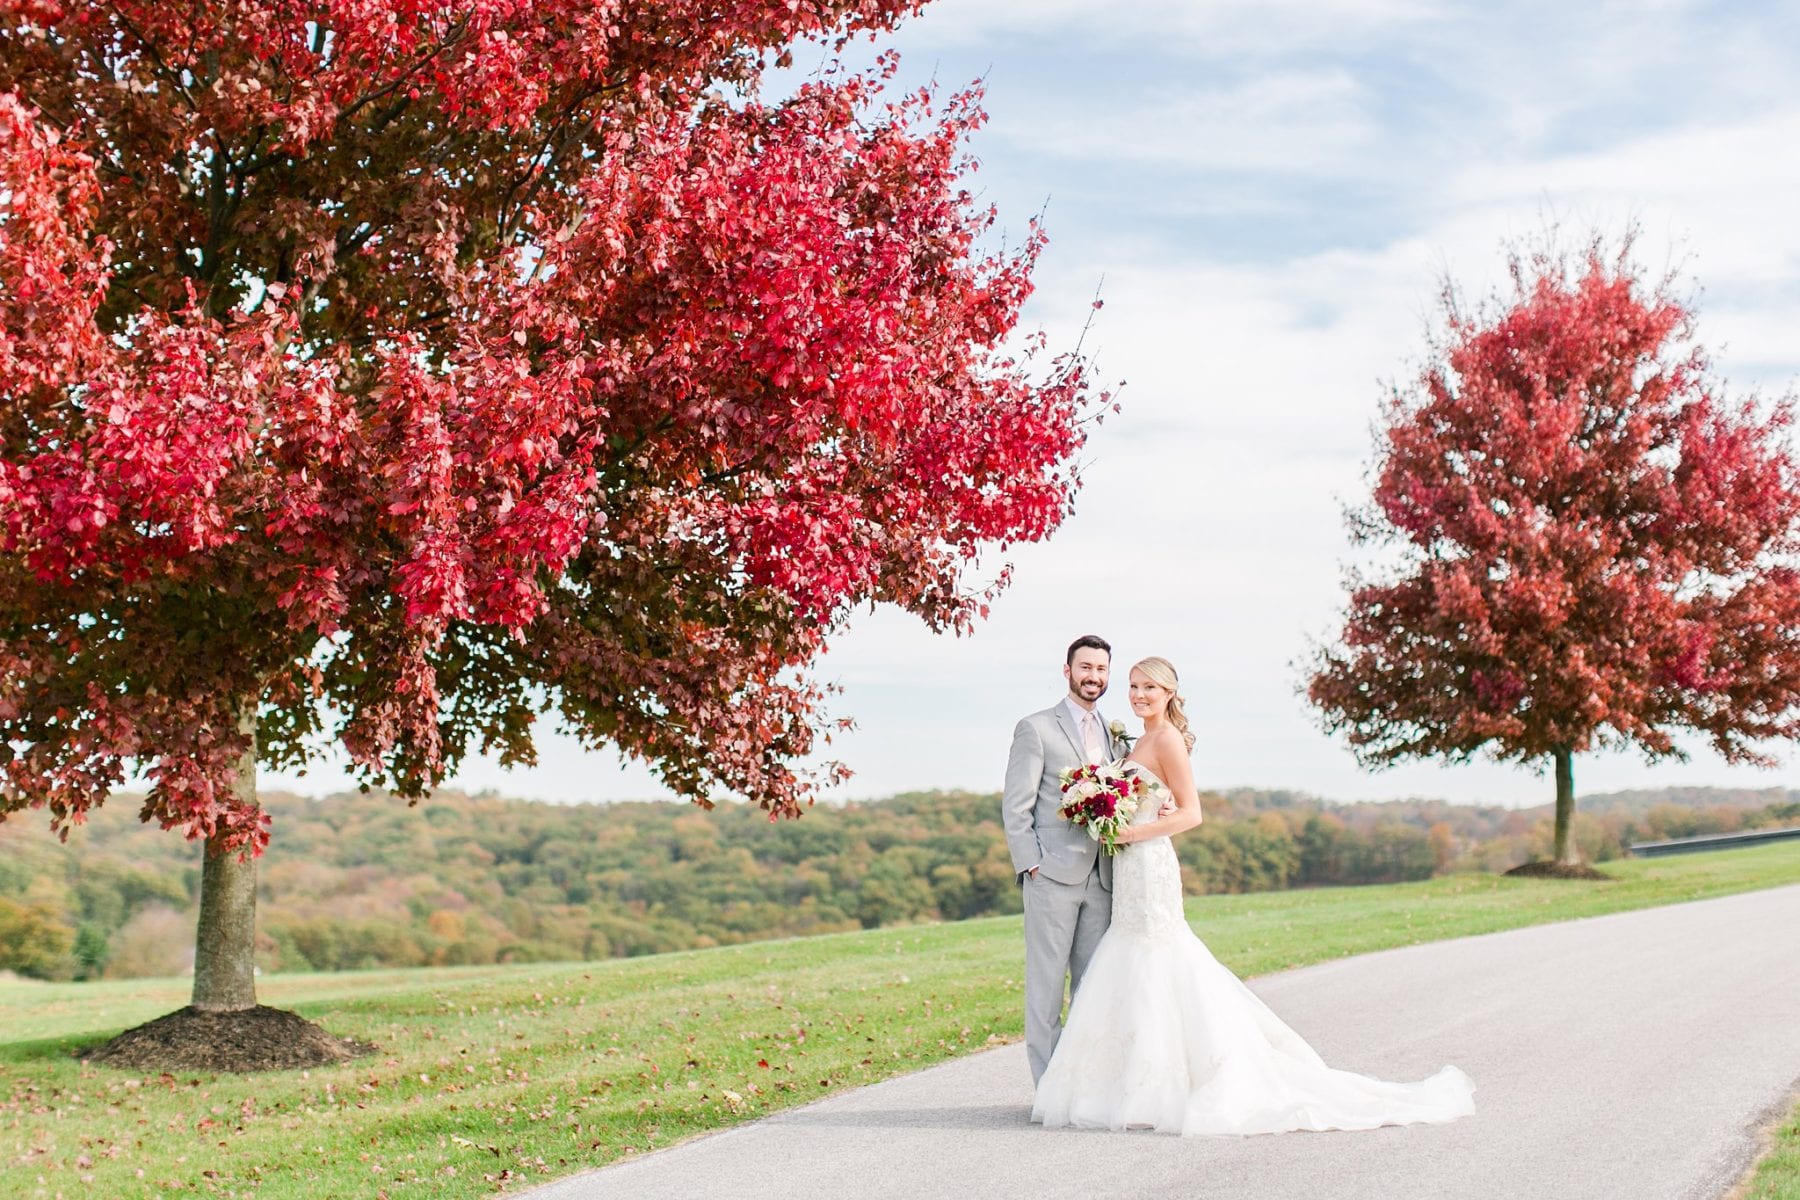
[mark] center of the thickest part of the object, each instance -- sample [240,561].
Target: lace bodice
[1146,875]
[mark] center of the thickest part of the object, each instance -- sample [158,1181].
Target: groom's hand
[1169,807]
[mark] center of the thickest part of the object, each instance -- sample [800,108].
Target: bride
[1163,1036]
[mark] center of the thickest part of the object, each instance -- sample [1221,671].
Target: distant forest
[355,881]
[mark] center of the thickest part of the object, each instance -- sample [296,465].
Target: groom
[1067,881]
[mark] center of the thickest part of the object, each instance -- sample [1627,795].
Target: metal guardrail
[1711,841]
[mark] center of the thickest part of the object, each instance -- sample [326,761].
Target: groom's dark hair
[1087,641]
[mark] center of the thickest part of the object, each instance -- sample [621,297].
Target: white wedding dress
[1161,1035]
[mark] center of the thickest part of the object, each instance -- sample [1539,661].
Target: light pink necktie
[1091,735]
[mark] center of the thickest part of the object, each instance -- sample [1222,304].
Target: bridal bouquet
[1101,798]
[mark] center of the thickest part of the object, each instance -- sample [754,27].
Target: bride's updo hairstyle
[1161,672]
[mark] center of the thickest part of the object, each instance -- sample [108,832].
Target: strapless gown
[1163,1036]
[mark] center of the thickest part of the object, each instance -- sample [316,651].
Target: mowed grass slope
[493,1077]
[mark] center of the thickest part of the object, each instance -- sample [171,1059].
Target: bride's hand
[1125,836]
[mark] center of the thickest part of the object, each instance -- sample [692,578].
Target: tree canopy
[1589,544]
[389,374]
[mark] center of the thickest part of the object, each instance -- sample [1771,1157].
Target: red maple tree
[1589,544]
[390,373]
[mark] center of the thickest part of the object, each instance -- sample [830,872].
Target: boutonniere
[1121,735]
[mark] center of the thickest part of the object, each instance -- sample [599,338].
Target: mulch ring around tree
[253,1039]
[1556,870]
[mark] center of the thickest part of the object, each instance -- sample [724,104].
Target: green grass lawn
[1777,1176]
[491,1077]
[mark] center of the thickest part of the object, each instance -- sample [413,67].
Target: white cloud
[1287,122]
[1215,28]
[1726,190]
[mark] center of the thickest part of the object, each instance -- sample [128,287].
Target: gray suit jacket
[1036,835]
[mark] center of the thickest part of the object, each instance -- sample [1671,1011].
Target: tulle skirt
[1163,1036]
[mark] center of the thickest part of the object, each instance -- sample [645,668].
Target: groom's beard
[1090,691]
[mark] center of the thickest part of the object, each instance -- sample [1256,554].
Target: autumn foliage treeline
[361,881]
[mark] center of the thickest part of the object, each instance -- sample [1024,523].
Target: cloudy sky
[1271,190]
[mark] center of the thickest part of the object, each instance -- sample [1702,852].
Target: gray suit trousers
[1064,922]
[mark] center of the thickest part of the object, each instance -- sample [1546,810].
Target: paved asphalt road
[1627,1057]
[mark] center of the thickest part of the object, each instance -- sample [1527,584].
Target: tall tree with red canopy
[1589,545]
[388,373]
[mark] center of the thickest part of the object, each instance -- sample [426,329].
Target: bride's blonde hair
[1161,672]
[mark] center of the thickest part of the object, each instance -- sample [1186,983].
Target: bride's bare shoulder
[1162,743]
[1165,736]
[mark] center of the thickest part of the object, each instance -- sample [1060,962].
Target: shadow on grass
[56,1049]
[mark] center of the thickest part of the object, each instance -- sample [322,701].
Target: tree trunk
[225,943]
[1567,852]
[224,1029]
